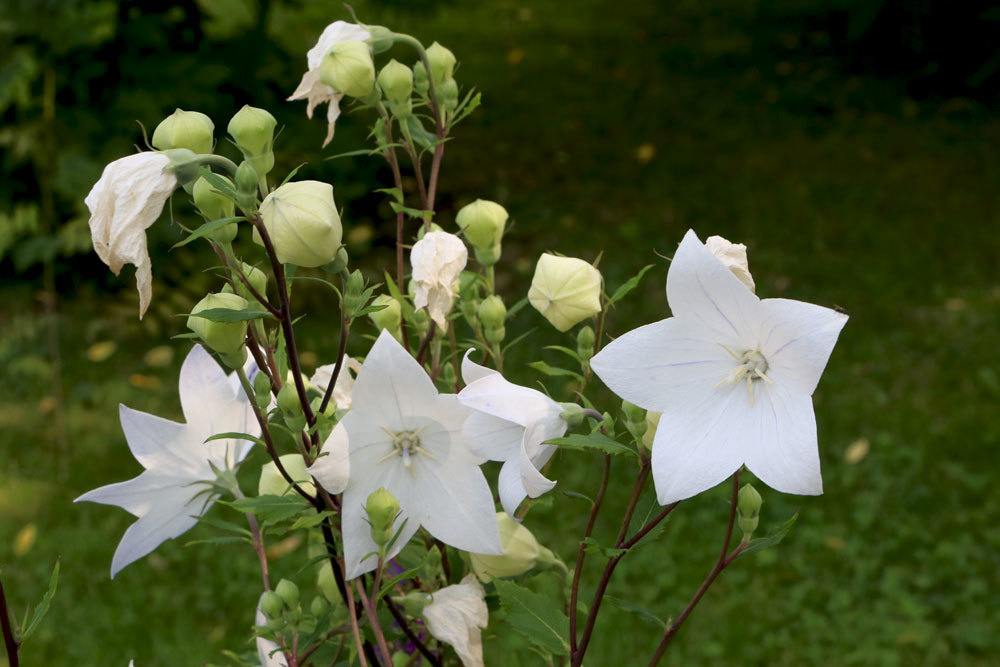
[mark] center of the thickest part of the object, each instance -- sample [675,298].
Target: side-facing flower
[344,385]
[565,290]
[174,490]
[406,437]
[124,203]
[733,375]
[457,615]
[510,423]
[437,261]
[314,91]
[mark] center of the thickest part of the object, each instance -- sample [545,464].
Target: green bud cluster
[284,612]
[253,131]
[382,509]
[482,223]
[635,420]
[748,507]
[492,314]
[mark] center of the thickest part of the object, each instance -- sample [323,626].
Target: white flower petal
[452,501]
[437,259]
[140,494]
[797,339]
[783,450]
[701,441]
[733,256]
[456,616]
[165,521]
[345,381]
[268,652]
[492,438]
[391,384]
[158,443]
[701,289]
[471,371]
[333,34]
[659,364]
[497,396]
[332,469]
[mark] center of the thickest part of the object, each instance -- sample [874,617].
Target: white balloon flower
[173,492]
[510,423]
[404,436]
[123,204]
[457,615]
[733,375]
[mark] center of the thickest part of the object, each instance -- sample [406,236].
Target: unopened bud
[492,313]
[273,483]
[521,551]
[447,95]
[413,603]
[348,68]
[396,81]
[420,78]
[585,342]
[272,604]
[253,131]
[302,221]
[565,290]
[390,317]
[339,262]
[382,509]
[482,223]
[318,606]
[226,338]
[184,129]
[748,505]
[572,414]
[256,278]
[215,206]
[288,592]
[635,419]
[246,186]
[652,422]
[442,62]
[380,38]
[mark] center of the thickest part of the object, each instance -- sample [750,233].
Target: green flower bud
[339,262]
[447,95]
[348,68]
[226,338]
[492,313]
[288,592]
[246,186]
[318,606]
[572,414]
[262,390]
[396,81]
[215,206]
[448,376]
[302,220]
[184,129]
[272,605]
[488,255]
[252,129]
[420,82]
[565,290]
[390,317]
[382,509]
[381,38]
[585,342]
[635,420]
[413,603]
[521,551]
[420,320]
[355,298]
[255,277]
[273,483]
[652,422]
[442,63]
[327,584]
[748,506]
[482,222]
[184,165]
[288,399]
[401,659]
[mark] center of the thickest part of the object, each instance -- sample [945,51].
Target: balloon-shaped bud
[442,62]
[382,509]
[492,315]
[565,290]
[447,94]
[318,606]
[396,82]
[214,206]
[482,223]
[271,604]
[390,317]
[748,506]
[224,337]
[256,278]
[288,592]
[253,131]
[585,342]
[521,552]
[348,68]
[420,81]
[184,129]
[302,221]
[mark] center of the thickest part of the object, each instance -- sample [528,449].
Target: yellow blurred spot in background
[515,56]
[159,356]
[47,405]
[857,450]
[140,381]
[99,352]
[645,152]
[284,547]
[25,539]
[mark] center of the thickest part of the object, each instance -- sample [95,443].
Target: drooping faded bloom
[457,615]
[406,437]
[510,423]
[437,261]
[124,203]
[311,88]
[174,491]
[733,256]
[733,376]
[344,385]
[565,290]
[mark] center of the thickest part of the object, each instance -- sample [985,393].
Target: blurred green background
[853,145]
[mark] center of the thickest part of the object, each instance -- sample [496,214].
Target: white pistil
[752,368]
[404,445]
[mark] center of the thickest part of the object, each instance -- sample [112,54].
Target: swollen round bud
[572,414]
[184,129]
[302,221]
[252,129]
[288,592]
[442,63]
[382,509]
[565,290]
[256,277]
[396,81]
[271,604]
[491,312]
[288,399]
[748,505]
[447,94]
[340,261]
[482,222]
[390,317]
[226,338]
[635,420]
[348,68]
[521,551]
[215,206]
[420,82]
[652,422]
[585,342]
[380,38]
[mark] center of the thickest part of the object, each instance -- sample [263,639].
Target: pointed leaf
[536,617]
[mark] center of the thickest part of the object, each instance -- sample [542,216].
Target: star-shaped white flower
[344,385]
[733,375]
[405,436]
[510,423]
[310,87]
[169,496]
[457,615]
[123,204]
[437,261]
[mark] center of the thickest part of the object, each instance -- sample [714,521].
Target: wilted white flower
[565,290]
[310,87]
[733,256]
[733,375]
[510,423]
[457,615]
[345,381]
[437,261]
[173,492]
[406,437]
[124,203]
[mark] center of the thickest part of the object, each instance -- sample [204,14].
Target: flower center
[405,444]
[751,368]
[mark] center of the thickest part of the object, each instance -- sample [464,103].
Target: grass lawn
[618,126]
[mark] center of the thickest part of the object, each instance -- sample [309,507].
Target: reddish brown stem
[581,551]
[9,640]
[345,329]
[412,636]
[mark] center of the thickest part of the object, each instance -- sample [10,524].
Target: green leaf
[641,612]
[578,496]
[772,539]
[271,508]
[232,314]
[220,184]
[595,547]
[543,367]
[538,618]
[629,285]
[235,435]
[223,539]
[395,193]
[207,229]
[310,520]
[592,442]
[227,526]
[415,213]
[43,607]
[292,173]
[565,350]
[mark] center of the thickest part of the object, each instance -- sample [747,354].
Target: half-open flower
[124,203]
[510,423]
[733,375]
[180,466]
[457,615]
[437,261]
